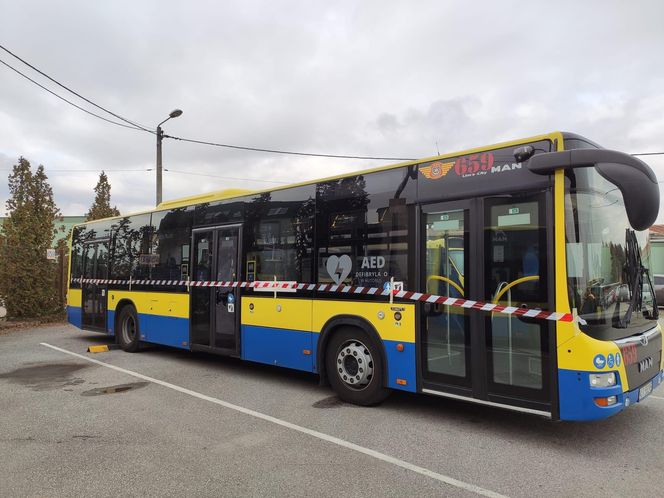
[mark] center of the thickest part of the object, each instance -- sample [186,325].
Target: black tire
[351,350]
[127,331]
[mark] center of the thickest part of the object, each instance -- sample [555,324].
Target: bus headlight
[603,380]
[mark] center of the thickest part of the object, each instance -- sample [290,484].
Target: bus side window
[130,236]
[278,235]
[170,244]
[77,256]
[364,232]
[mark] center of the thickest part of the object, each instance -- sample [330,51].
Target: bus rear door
[214,310]
[94,295]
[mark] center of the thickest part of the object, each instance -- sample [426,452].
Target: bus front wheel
[128,332]
[355,367]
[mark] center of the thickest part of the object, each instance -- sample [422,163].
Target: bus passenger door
[516,275]
[93,295]
[446,331]
[225,299]
[214,310]
[493,250]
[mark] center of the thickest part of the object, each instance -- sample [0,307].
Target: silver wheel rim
[355,365]
[128,329]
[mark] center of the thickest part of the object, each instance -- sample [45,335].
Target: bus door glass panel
[446,334]
[515,248]
[225,298]
[101,272]
[95,266]
[200,296]
[87,289]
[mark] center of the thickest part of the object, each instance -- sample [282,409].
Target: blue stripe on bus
[157,329]
[284,347]
[273,346]
[281,347]
[400,365]
[164,330]
[74,316]
[110,322]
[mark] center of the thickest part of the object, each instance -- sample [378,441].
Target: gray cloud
[362,78]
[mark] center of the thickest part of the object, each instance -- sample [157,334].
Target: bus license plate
[645,390]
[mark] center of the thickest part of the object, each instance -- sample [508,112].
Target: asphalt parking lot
[193,424]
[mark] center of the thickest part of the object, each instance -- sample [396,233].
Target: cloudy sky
[378,78]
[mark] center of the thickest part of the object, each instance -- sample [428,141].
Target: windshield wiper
[633,273]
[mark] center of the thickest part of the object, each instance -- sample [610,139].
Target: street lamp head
[160,136]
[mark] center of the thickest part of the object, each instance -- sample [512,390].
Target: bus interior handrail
[447,281]
[529,278]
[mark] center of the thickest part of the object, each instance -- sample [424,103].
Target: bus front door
[215,310]
[516,270]
[493,250]
[93,294]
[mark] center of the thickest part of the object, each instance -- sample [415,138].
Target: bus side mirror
[634,178]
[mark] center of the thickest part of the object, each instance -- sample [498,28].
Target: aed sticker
[617,359]
[609,360]
[599,361]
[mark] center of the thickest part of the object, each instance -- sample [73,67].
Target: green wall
[657,257]
[63,225]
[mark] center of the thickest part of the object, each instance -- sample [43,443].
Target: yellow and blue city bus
[484,243]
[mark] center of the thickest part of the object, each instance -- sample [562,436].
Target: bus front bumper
[578,401]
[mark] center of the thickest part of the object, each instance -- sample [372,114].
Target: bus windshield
[598,269]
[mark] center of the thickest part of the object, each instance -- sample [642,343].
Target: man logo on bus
[436,170]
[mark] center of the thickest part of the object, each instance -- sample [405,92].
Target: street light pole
[160,138]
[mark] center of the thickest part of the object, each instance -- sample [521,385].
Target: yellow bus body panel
[74,297]
[292,314]
[579,351]
[153,303]
[564,331]
[387,327]
[312,315]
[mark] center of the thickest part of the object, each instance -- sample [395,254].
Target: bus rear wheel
[355,367]
[128,333]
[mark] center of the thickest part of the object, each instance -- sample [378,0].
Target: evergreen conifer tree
[101,207]
[27,278]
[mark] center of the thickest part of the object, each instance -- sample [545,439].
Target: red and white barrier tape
[349,289]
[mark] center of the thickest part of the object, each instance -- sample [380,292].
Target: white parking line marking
[319,435]
[656,397]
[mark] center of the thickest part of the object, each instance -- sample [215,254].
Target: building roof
[657,231]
